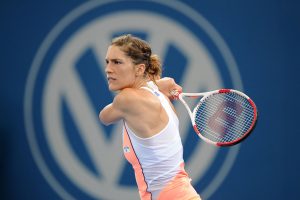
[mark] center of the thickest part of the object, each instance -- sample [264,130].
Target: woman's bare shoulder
[133,99]
[126,98]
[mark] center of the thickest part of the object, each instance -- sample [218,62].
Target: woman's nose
[108,68]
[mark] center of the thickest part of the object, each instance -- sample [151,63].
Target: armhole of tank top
[131,132]
[172,111]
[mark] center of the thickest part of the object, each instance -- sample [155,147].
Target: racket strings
[223,129]
[231,128]
[224,117]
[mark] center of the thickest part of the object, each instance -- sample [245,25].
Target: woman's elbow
[103,119]
[109,115]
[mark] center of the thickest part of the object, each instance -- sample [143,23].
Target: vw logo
[66,88]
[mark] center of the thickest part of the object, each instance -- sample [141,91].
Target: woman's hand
[166,85]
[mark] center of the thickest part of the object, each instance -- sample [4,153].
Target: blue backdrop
[53,86]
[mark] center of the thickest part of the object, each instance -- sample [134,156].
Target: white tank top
[157,159]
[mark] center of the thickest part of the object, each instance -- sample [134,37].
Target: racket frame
[204,95]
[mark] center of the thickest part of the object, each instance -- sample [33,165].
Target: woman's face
[120,70]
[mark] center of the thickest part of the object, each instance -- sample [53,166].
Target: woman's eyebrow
[113,59]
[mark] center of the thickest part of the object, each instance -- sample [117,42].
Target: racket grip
[175,94]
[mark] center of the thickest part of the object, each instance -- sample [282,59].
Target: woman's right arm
[118,109]
[166,85]
[110,114]
[115,111]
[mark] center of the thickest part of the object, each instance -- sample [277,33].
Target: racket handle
[175,94]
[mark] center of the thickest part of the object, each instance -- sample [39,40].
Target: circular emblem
[66,88]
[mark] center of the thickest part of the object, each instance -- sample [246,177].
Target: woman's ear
[140,70]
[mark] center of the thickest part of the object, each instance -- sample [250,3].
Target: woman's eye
[116,62]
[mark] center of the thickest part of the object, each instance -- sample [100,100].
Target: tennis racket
[221,117]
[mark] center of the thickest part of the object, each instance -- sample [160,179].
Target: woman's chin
[113,88]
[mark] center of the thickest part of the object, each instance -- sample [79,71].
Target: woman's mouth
[109,79]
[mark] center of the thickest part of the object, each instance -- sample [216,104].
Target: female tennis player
[151,139]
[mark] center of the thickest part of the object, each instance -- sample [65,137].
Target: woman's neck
[142,82]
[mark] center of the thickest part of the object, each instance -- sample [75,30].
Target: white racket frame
[181,95]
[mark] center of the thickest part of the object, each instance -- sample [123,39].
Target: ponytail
[154,70]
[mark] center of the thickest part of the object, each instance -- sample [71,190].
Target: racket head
[224,117]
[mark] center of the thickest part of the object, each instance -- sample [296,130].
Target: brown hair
[140,52]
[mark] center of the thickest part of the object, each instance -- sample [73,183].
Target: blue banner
[53,86]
